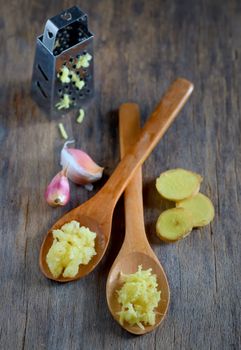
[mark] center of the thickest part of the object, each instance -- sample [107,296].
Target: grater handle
[50,33]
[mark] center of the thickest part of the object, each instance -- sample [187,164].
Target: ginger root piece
[174,224]
[178,184]
[201,208]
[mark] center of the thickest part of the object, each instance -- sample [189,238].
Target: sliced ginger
[200,207]
[174,224]
[178,184]
[193,209]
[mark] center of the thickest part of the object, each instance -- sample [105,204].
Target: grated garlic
[73,245]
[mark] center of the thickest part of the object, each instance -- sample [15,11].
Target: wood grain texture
[140,47]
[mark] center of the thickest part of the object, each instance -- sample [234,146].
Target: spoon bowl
[128,264]
[101,242]
[97,212]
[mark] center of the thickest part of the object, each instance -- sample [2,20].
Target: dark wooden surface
[140,47]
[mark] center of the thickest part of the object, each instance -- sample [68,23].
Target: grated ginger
[64,102]
[83,61]
[138,298]
[81,116]
[73,245]
[79,83]
[63,132]
[64,74]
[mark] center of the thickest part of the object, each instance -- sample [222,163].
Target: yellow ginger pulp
[73,245]
[138,298]
[63,131]
[79,83]
[64,76]
[83,61]
[178,184]
[80,116]
[64,102]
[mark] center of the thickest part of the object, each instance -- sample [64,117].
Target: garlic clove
[81,169]
[58,191]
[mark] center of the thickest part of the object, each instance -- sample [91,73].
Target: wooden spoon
[135,250]
[97,212]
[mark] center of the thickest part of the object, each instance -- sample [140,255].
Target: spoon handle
[155,127]
[129,130]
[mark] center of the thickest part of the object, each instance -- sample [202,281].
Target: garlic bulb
[81,169]
[58,191]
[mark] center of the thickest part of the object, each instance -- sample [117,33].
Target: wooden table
[140,47]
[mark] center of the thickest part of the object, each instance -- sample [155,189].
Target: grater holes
[71,60]
[88,91]
[41,89]
[43,74]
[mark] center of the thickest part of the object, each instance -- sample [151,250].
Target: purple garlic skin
[58,191]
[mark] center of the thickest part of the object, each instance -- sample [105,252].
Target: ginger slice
[174,224]
[178,184]
[201,208]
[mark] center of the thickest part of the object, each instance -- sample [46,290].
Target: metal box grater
[63,67]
